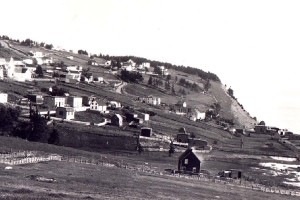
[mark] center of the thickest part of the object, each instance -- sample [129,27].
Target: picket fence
[26,157]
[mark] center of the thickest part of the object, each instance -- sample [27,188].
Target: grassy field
[81,181]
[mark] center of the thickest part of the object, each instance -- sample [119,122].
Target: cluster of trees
[34,130]
[157,82]
[131,77]
[58,91]
[29,42]
[230,92]
[8,118]
[192,86]
[182,91]
[189,70]
[84,52]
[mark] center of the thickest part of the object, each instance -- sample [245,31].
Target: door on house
[194,169]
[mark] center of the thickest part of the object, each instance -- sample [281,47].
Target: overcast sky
[253,46]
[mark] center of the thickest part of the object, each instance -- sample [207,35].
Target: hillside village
[111,106]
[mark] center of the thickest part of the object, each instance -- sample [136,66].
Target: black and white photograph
[150,99]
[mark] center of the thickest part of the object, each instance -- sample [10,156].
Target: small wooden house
[189,162]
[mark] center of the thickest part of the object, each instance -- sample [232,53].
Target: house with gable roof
[189,162]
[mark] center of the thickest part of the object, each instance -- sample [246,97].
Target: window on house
[186,161]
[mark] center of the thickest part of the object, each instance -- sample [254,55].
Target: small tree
[39,126]
[54,137]
[193,135]
[150,81]
[173,90]
[262,123]
[207,85]
[172,149]
[39,71]
[230,92]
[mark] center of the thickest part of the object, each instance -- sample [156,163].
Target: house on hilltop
[189,162]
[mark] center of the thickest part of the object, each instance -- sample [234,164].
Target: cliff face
[230,108]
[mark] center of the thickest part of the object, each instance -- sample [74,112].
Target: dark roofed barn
[189,162]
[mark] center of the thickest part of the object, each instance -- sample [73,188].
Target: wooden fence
[201,177]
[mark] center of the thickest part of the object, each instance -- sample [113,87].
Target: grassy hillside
[118,145]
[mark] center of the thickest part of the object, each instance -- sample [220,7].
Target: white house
[163,70]
[65,113]
[75,102]
[127,66]
[66,75]
[145,116]
[133,64]
[37,54]
[3,61]
[3,97]
[47,60]
[28,61]
[146,65]
[74,68]
[21,74]
[54,101]
[70,57]
[200,115]
[98,105]
[152,100]
[2,68]
[99,79]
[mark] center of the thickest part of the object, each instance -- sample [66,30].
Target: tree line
[189,70]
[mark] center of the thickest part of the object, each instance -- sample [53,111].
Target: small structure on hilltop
[65,113]
[189,162]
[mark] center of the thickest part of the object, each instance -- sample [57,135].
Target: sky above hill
[253,46]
